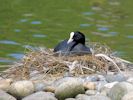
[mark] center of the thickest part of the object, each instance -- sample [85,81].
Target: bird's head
[77,36]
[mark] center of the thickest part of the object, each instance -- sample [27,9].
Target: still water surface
[34,23]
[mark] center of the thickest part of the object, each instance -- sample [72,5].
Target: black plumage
[75,45]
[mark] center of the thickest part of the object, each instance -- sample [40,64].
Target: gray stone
[70,99]
[91,92]
[101,78]
[89,85]
[130,80]
[128,96]
[119,90]
[1,78]
[118,77]
[5,96]
[91,78]
[5,84]
[106,88]
[82,97]
[40,96]
[110,85]
[56,83]
[39,86]
[21,89]
[100,84]
[97,97]
[94,78]
[49,89]
[69,89]
[104,91]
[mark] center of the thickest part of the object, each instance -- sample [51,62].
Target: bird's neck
[72,45]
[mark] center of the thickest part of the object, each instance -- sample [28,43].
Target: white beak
[71,37]
[70,40]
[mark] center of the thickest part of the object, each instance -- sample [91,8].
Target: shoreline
[94,76]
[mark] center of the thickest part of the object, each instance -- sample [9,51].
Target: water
[16,55]
[17,30]
[103,29]
[30,24]
[85,25]
[39,35]
[23,20]
[130,36]
[5,61]
[36,22]
[8,42]
[88,13]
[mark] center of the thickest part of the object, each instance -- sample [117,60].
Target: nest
[46,63]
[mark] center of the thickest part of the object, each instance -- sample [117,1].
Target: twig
[109,59]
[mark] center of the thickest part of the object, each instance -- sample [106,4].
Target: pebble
[110,85]
[104,91]
[39,86]
[1,78]
[130,80]
[128,96]
[70,99]
[100,84]
[91,78]
[40,96]
[69,89]
[21,89]
[101,78]
[98,87]
[5,96]
[91,92]
[94,78]
[49,89]
[96,97]
[5,84]
[58,82]
[117,77]
[82,97]
[119,90]
[89,85]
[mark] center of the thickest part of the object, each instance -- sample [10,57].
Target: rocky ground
[44,76]
[113,86]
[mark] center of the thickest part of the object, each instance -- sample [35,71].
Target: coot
[75,45]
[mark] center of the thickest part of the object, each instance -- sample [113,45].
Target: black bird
[75,45]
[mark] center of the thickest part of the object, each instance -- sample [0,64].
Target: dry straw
[49,64]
